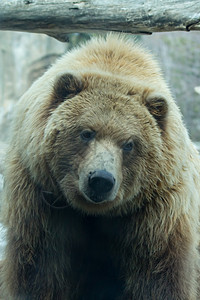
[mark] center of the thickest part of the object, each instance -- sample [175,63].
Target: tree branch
[58,18]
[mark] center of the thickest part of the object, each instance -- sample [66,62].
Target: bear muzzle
[100,185]
[99,174]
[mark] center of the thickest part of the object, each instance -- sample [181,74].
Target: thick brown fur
[103,105]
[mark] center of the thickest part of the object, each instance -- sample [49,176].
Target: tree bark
[58,18]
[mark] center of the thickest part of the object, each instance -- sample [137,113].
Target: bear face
[106,148]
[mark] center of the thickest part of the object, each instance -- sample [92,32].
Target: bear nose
[101,182]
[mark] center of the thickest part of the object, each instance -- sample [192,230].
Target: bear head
[104,140]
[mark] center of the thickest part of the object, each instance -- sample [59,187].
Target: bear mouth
[96,198]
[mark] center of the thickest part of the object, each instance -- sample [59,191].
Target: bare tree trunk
[57,18]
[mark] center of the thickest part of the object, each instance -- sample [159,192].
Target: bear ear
[158,107]
[66,86]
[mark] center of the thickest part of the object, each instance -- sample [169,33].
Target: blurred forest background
[25,56]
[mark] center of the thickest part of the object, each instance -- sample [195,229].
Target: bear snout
[99,174]
[100,183]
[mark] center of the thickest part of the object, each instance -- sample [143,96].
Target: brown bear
[101,195]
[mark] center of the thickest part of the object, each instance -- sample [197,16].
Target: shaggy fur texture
[102,106]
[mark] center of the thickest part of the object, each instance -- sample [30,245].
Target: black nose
[101,182]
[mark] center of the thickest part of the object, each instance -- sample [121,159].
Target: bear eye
[127,147]
[87,135]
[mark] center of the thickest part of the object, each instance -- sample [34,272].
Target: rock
[2,240]
[197,89]
[3,148]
